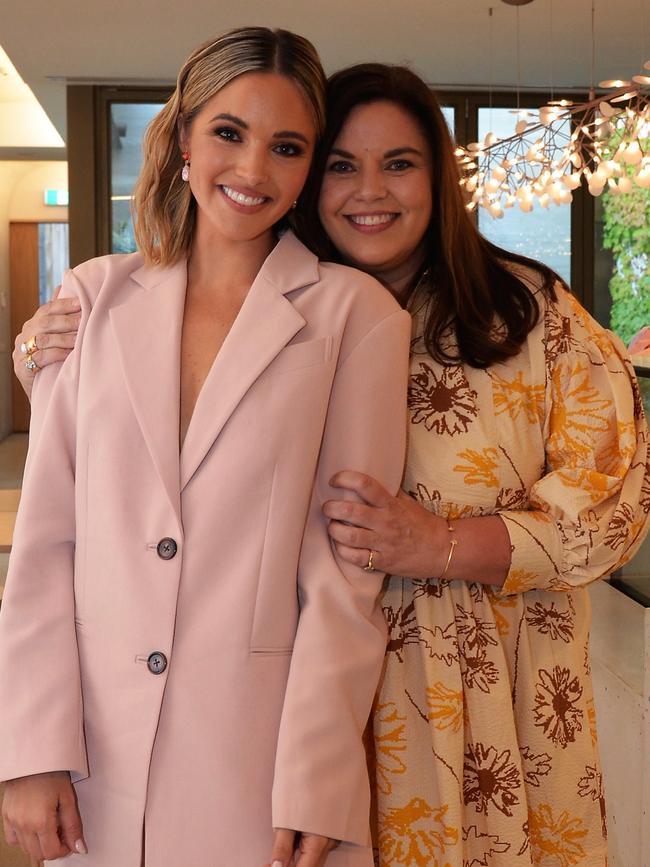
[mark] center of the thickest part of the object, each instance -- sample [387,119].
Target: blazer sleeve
[41,726]
[321,781]
[589,512]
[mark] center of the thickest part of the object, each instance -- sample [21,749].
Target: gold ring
[30,364]
[29,346]
[369,567]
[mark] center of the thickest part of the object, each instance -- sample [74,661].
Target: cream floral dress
[484,727]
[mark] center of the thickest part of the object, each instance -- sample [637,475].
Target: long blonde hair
[163,206]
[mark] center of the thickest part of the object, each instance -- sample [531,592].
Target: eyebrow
[283,133]
[395,152]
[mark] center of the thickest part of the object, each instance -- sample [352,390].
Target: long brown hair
[164,208]
[472,284]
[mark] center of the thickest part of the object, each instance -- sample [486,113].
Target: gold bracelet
[452,545]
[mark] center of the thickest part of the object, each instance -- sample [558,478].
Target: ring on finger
[30,364]
[369,567]
[29,347]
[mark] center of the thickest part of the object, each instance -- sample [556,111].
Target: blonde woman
[184,662]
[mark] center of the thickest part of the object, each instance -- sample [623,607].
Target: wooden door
[23,281]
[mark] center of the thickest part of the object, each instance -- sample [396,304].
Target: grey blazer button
[167,548]
[157,662]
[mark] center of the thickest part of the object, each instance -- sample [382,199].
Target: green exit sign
[56,197]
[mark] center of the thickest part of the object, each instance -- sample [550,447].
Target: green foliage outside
[626,232]
[123,240]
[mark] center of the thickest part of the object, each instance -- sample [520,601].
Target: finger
[10,835]
[70,823]
[60,305]
[50,845]
[56,322]
[353,537]
[55,293]
[284,841]
[28,842]
[358,556]
[352,512]
[313,850]
[43,357]
[56,340]
[369,489]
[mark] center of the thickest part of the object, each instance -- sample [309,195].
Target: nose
[252,166]
[372,184]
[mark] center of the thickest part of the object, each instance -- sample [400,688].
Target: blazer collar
[289,266]
[148,330]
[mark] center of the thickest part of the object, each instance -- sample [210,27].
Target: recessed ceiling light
[517,2]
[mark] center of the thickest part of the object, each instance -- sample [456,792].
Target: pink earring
[185,172]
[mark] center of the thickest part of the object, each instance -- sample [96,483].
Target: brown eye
[340,167]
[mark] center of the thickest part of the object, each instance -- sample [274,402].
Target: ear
[183,133]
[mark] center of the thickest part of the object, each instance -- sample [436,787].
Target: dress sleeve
[321,780]
[589,512]
[41,725]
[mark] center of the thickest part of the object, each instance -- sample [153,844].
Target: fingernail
[80,847]
[277,864]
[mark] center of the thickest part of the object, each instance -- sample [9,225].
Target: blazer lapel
[147,329]
[266,322]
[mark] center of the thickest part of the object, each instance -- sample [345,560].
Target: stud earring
[294,204]
[185,172]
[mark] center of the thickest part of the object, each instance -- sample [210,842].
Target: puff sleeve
[589,511]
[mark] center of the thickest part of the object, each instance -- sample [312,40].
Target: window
[543,234]
[128,123]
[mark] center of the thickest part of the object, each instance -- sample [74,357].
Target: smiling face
[250,149]
[376,197]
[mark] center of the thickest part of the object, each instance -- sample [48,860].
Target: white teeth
[241,199]
[371,219]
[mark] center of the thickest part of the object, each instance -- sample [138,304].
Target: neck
[399,279]
[221,264]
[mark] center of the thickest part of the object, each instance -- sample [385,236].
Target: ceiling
[447,41]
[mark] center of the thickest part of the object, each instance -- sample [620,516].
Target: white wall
[21,198]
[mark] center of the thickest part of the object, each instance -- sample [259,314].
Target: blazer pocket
[275,610]
[298,355]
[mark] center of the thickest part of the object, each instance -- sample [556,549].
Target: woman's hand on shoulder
[53,330]
[40,815]
[405,539]
[309,850]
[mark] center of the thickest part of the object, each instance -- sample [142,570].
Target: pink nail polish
[80,847]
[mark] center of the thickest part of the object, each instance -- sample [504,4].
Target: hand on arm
[408,540]
[54,327]
[40,815]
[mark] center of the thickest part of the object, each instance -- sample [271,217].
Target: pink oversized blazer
[274,646]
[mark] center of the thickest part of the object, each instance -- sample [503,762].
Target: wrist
[440,546]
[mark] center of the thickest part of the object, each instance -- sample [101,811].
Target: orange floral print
[446,707]
[480,467]
[517,397]
[558,838]
[390,745]
[415,835]
[578,418]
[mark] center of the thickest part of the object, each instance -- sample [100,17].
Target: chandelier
[603,143]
